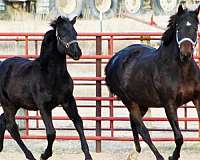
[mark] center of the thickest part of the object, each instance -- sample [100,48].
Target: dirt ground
[70,150]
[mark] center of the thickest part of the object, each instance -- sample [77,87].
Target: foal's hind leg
[50,131]
[2,130]
[71,109]
[136,117]
[11,126]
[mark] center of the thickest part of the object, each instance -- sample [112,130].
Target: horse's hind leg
[136,117]
[11,126]
[2,130]
[134,130]
[50,131]
[71,110]
[135,135]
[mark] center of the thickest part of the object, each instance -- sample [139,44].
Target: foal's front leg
[71,109]
[50,131]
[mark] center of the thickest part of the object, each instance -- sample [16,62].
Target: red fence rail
[29,43]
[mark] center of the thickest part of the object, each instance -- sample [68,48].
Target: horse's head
[66,37]
[186,32]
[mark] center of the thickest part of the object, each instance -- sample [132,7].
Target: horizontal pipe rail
[28,52]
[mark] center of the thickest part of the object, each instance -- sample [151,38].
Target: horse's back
[133,52]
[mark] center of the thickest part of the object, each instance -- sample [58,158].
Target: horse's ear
[180,10]
[197,10]
[73,21]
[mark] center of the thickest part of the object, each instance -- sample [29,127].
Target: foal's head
[66,37]
[186,31]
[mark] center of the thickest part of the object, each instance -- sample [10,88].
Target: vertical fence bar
[36,47]
[185,116]
[26,45]
[98,91]
[27,123]
[37,121]
[110,52]
[110,45]
[111,115]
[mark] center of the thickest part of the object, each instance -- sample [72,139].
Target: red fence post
[98,92]
[26,45]
[110,46]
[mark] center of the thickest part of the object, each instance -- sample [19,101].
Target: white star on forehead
[188,23]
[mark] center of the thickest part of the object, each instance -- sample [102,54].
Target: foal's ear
[73,21]
[59,19]
[180,10]
[197,10]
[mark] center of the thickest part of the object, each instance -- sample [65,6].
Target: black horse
[42,84]
[168,77]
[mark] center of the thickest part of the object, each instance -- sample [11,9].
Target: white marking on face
[188,23]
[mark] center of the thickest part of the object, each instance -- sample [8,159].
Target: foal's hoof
[43,157]
[1,147]
[88,157]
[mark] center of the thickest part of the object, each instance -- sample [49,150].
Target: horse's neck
[168,54]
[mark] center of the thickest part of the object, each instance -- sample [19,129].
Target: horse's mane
[171,30]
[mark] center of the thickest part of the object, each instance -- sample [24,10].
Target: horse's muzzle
[187,48]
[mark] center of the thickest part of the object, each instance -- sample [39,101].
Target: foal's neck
[50,58]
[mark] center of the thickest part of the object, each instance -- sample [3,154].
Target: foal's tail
[2,130]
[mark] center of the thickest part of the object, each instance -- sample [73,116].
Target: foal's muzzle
[75,51]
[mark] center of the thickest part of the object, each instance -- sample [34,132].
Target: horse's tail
[108,69]
[2,130]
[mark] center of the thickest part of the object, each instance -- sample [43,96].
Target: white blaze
[188,23]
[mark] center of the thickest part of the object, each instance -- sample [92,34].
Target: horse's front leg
[50,131]
[171,112]
[71,109]
[197,105]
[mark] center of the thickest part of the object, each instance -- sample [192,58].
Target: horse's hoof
[170,158]
[42,157]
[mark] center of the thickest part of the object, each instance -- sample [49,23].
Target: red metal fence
[104,116]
